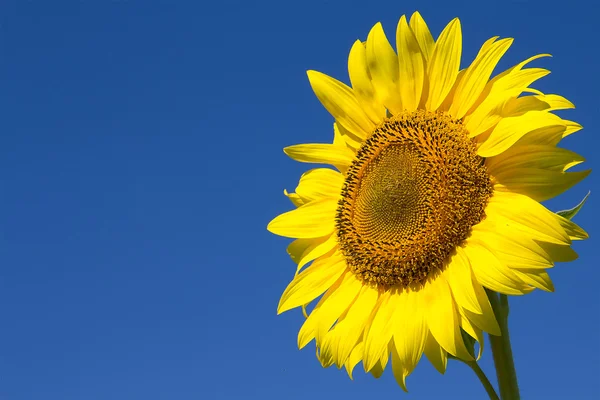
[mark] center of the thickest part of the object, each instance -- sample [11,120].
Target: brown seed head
[410,197]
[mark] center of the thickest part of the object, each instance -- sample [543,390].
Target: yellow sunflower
[435,196]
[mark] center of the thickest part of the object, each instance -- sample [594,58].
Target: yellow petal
[325,359]
[377,371]
[343,137]
[443,319]
[299,247]
[519,251]
[307,331]
[502,225]
[520,105]
[312,282]
[331,306]
[486,46]
[518,67]
[320,153]
[422,34]
[320,183]
[536,278]
[361,83]
[380,331]
[571,127]
[556,102]
[534,91]
[476,77]
[469,295]
[549,102]
[490,272]
[303,251]
[444,64]
[343,337]
[472,331]
[312,220]
[355,358]
[294,198]
[437,356]
[516,249]
[499,91]
[496,94]
[507,211]
[480,312]
[511,129]
[398,370]
[486,320]
[412,66]
[410,335]
[546,136]
[458,275]
[533,156]
[557,252]
[447,103]
[574,231]
[383,67]
[341,102]
[539,184]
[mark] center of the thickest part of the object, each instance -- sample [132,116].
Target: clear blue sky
[140,161]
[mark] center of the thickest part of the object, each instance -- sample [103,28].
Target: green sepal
[469,344]
[569,214]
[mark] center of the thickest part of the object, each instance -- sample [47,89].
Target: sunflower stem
[484,380]
[502,351]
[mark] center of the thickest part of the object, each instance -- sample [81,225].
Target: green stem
[484,380]
[501,350]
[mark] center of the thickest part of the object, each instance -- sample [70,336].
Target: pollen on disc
[388,202]
[411,196]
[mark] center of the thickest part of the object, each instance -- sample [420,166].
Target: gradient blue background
[140,161]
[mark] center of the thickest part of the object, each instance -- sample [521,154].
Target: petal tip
[281,307]
[279,310]
[312,74]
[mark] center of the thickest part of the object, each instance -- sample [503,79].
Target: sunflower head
[438,174]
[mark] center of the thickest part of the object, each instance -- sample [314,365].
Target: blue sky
[140,161]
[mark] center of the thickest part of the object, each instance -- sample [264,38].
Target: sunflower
[434,196]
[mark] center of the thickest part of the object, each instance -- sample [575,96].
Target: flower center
[411,196]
